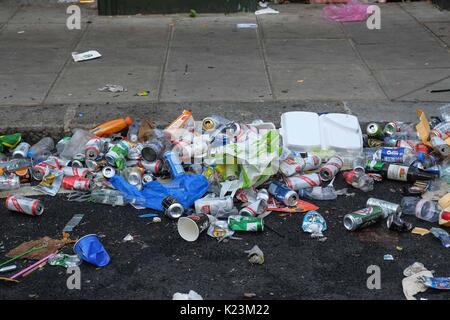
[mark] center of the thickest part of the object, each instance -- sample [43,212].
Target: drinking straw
[34,265]
[22,254]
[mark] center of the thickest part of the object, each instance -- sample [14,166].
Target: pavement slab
[425,11]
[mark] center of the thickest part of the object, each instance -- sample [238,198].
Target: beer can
[21,150]
[358,164]
[134,175]
[214,122]
[41,169]
[116,155]
[135,152]
[331,168]
[440,146]
[374,130]
[303,181]
[283,194]
[93,165]
[174,164]
[32,207]
[156,167]
[172,208]
[76,172]
[311,162]
[93,148]
[152,150]
[108,172]
[363,218]
[77,164]
[388,208]
[442,130]
[289,167]
[390,128]
[214,205]
[246,195]
[77,183]
[241,223]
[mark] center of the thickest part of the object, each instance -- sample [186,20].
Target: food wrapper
[314,223]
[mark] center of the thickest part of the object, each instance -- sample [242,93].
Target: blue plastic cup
[90,249]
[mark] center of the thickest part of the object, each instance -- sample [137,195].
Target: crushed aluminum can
[219,229]
[41,169]
[76,172]
[64,260]
[395,223]
[331,168]
[94,148]
[304,181]
[77,183]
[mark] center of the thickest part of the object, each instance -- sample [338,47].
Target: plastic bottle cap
[128,121]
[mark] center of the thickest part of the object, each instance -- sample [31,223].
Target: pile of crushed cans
[224,176]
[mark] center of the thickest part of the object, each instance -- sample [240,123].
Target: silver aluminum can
[303,181]
[388,208]
[172,208]
[331,168]
[213,205]
[93,148]
[108,172]
[133,175]
[32,207]
[21,150]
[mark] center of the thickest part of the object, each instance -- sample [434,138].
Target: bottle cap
[128,121]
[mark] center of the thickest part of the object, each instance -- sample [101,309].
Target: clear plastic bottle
[41,149]
[133,132]
[395,155]
[15,164]
[318,193]
[421,208]
[77,143]
[108,196]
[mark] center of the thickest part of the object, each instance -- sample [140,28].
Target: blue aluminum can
[283,194]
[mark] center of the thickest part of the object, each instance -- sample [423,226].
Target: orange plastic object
[110,127]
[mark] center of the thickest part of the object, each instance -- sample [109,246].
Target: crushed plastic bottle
[76,144]
[319,193]
[359,180]
[42,149]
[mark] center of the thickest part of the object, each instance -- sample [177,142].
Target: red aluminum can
[77,183]
[32,207]
[75,172]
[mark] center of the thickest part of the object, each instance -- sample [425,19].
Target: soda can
[442,130]
[135,152]
[93,148]
[241,223]
[395,223]
[174,164]
[77,183]
[134,175]
[21,150]
[116,155]
[283,194]
[77,164]
[40,170]
[246,195]
[388,208]
[32,207]
[152,150]
[156,167]
[254,208]
[363,218]
[172,208]
[331,168]
[214,205]
[304,181]
[76,172]
[108,172]
[374,130]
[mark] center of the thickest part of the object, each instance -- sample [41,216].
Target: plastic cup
[90,249]
[190,227]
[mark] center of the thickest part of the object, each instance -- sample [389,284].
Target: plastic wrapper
[51,183]
[352,11]
[314,223]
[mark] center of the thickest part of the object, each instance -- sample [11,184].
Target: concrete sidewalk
[292,58]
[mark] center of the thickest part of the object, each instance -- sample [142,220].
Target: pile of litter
[221,177]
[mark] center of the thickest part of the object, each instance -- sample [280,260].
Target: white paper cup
[190,227]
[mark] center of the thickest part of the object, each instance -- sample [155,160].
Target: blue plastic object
[90,249]
[186,189]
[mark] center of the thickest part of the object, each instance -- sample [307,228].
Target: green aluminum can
[363,218]
[374,130]
[241,223]
[116,155]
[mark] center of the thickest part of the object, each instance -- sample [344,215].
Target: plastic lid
[128,121]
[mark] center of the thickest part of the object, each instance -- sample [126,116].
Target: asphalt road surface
[159,262]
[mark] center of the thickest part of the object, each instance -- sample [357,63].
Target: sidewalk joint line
[3,27]
[421,88]
[361,58]
[69,58]
[166,59]
[262,50]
